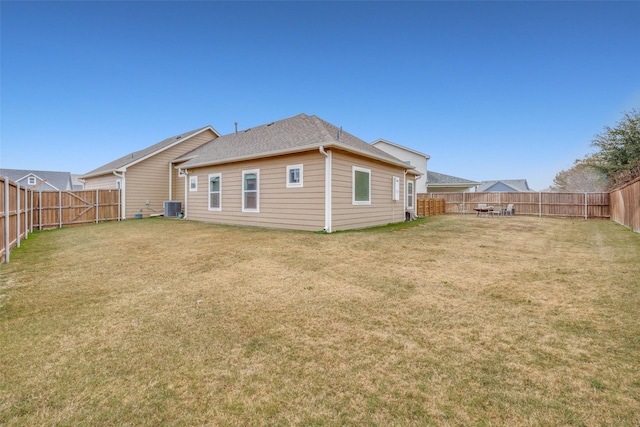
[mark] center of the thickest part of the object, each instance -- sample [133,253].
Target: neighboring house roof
[515,185]
[400,147]
[131,159]
[295,134]
[45,180]
[440,179]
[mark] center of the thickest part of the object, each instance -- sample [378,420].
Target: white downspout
[170,181]
[404,198]
[123,192]
[327,189]
[186,192]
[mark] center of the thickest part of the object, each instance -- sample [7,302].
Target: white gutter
[123,192]
[327,189]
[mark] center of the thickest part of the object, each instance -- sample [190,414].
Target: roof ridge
[320,124]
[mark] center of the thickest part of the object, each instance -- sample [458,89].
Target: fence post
[40,210]
[17,215]
[97,205]
[31,212]
[539,204]
[60,208]
[7,241]
[464,207]
[26,213]
[585,206]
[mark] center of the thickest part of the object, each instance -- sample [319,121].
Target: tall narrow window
[409,194]
[361,186]
[215,192]
[294,176]
[193,183]
[251,191]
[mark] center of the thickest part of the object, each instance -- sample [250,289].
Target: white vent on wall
[172,208]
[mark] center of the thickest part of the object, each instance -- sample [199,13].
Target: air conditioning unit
[172,208]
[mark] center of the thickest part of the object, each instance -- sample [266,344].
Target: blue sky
[490,90]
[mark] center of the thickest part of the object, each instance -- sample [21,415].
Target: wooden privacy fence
[574,205]
[15,216]
[23,210]
[55,209]
[429,206]
[625,205]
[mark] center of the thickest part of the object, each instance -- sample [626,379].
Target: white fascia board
[402,147]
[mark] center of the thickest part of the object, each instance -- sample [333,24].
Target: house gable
[40,180]
[411,157]
[131,159]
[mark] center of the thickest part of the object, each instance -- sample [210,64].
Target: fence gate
[65,208]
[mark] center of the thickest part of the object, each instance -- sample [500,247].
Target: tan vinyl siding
[149,179]
[279,207]
[103,182]
[382,210]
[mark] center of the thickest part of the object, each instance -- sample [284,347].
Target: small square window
[294,176]
[31,180]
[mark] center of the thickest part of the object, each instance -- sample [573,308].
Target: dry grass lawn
[451,321]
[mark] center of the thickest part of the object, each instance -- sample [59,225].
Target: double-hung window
[409,194]
[294,176]
[361,186]
[215,192]
[193,183]
[251,190]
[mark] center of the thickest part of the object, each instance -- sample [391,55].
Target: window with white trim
[193,183]
[251,190]
[215,192]
[410,195]
[118,184]
[31,180]
[294,176]
[361,186]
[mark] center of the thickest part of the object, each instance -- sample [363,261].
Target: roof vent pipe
[236,125]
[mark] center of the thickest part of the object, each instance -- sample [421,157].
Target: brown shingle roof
[295,134]
[136,156]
